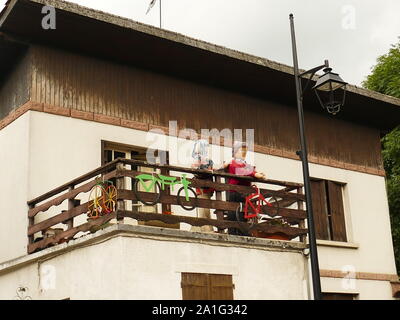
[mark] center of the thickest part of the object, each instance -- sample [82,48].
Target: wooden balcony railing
[45,212]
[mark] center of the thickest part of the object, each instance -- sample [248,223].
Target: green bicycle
[154,184]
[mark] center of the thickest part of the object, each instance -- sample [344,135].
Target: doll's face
[241,153]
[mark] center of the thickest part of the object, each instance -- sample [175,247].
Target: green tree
[385,78]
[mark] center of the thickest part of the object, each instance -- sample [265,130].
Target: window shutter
[337,211]
[221,287]
[338,296]
[203,286]
[318,196]
[194,286]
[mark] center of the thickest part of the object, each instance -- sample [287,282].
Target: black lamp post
[331,99]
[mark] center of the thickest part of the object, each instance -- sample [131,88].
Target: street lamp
[327,90]
[328,93]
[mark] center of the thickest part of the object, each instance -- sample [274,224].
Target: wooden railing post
[166,191]
[300,206]
[71,205]
[120,185]
[31,222]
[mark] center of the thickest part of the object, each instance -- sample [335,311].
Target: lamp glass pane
[330,85]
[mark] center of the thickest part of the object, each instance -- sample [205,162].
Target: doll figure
[240,167]
[203,162]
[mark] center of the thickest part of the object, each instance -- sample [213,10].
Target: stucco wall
[132,266]
[363,289]
[14,172]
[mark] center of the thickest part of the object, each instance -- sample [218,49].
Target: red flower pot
[276,236]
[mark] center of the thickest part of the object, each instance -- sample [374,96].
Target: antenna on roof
[151,5]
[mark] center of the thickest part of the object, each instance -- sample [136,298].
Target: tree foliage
[391,158]
[385,78]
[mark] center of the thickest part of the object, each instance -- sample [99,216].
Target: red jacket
[240,168]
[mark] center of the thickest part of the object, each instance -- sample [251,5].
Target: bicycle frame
[164,181]
[249,203]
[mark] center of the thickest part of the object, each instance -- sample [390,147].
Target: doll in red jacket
[240,167]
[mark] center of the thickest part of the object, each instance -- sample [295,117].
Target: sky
[351,34]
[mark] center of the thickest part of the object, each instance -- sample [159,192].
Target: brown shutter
[221,287]
[203,286]
[338,296]
[194,286]
[337,211]
[318,195]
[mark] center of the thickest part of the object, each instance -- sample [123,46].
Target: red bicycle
[258,208]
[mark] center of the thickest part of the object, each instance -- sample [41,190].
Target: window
[111,151]
[204,286]
[328,208]
[338,296]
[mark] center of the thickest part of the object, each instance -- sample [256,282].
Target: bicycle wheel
[240,218]
[154,197]
[272,207]
[182,199]
[110,199]
[239,213]
[96,202]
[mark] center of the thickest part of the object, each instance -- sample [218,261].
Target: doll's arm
[226,165]
[260,175]
[223,167]
[195,165]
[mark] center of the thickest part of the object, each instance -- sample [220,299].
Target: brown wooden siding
[77,82]
[15,89]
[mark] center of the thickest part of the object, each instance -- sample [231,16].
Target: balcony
[116,193]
